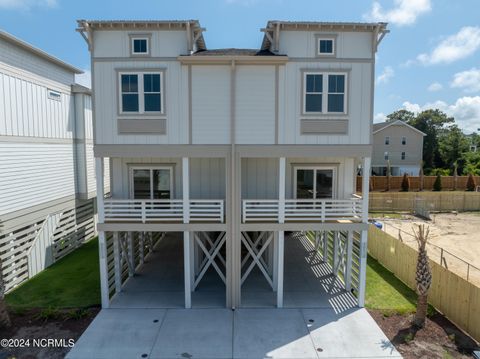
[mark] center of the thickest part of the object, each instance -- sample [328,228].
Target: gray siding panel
[323,126]
[158,126]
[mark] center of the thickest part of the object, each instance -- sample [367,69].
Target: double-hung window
[325,93]
[141,93]
[326,46]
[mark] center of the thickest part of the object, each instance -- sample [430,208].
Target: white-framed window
[403,155]
[387,140]
[140,45]
[315,182]
[151,182]
[404,140]
[385,156]
[141,92]
[325,93]
[326,46]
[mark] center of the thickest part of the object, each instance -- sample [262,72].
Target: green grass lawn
[386,292]
[72,282]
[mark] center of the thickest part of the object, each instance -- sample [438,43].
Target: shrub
[405,183]
[437,185]
[471,183]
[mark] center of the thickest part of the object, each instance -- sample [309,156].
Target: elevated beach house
[233,170]
[47,176]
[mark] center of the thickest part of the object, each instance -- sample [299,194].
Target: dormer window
[140,44]
[325,46]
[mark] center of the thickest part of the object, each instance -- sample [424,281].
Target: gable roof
[36,51]
[377,127]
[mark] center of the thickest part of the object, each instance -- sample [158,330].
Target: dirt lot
[457,233]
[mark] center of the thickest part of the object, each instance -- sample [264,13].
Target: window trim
[141,93]
[136,36]
[151,168]
[314,168]
[325,92]
[319,37]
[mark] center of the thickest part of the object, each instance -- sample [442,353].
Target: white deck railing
[146,210]
[298,210]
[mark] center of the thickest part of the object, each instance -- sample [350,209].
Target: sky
[430,58]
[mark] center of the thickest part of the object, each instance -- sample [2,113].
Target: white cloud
[468,80]
[379,117]
[434,87]
[386,75]
[26,4]
[404,12]
[84,79]
[466,111]
[454,47]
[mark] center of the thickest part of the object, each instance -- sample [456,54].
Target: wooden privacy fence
[452,295]
[435,201]
[379,183]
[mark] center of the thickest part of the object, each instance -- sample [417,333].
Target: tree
[423,276]
[452,144]
[432,123]
[471,163]
[401,115]
[471,185]
[405,183]
[437,185]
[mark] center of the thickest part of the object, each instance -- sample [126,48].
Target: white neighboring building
[47,179]
[230,149]
[399,143]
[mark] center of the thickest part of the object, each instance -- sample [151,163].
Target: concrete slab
[119,333]
[271,333]
[352,334]
[195,333]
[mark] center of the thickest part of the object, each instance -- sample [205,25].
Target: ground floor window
[151,182]
[314,182]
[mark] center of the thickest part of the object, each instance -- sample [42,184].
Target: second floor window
[325,93]
[404,140]
[141,93]
[385,156]
[387,140]
[403,155]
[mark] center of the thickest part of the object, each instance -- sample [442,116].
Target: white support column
[348,267]
[281,239]
[281,189]
[117,263]
[363,269]
[365,187]
[186,189]
[186,269]
[102,243]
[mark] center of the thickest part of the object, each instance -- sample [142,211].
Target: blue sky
[431,58]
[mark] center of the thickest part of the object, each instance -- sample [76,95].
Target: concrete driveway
[243,333]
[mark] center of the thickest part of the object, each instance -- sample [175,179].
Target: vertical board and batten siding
[207,176]
[358,103]
[211,101]
[25,61]
[116,44]
[260,176]
[255,104]
[175,95]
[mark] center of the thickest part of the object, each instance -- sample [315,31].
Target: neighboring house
[47,182]
[231,148]
[399,143]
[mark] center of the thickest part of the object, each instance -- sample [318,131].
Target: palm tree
[4,317]
[423,276]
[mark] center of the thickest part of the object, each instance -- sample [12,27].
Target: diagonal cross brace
[210,259]
[214,245]
[253,245]
[256,259]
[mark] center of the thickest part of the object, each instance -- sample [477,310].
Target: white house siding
[211,101]
[176,102]
[255,104]
[114,44]
[358,103]
[34,173]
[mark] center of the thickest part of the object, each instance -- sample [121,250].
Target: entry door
[151,183]
[314,182]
